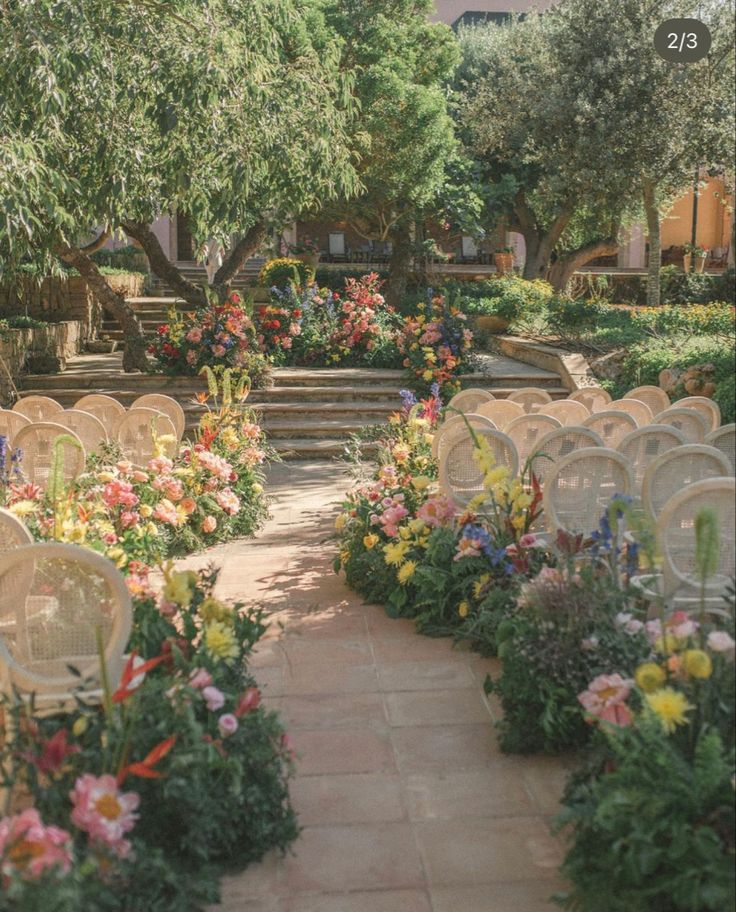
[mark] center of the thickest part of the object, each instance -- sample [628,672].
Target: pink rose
[227,724]
[209,524]
[214,698]
[200,678]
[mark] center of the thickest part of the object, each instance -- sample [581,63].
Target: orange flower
[144,768]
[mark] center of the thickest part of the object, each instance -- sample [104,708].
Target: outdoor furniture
[13,532]
[167,406]
[69,594]
[724,439]
[707,407]
[140,429]
[529,397]
[107,409]
[653,396]
[645,444]
[336,245]
[559,443]
[611,425]
[445,430]
[11,423]
[678,468]
[459,475]
[89,429]
[38,408]
[468,400]
[594,398]
[527,430]
[37,442]
[639,410]
[500,411]
[691,421]
[568,413]
[579,488]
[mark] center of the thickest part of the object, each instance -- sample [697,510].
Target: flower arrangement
[284,271]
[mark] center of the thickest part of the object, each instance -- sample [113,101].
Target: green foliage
[509,297]
[20,321]
[123,259]
[283,271]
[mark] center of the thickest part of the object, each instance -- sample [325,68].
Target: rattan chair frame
[106,409]
[90,430]
[594,398]
[635,447]
[38,408]
[458,421]
[532,399]
[166,404]
[498,441]
[24,441]
[694,421]
[569,412]
[11,423]
[670,464]
[709,409]
[467,400]
[549,449]
[13,531]
[524,446]
[653,396]
[500,411]
[724,439]
[136,417]
[639,410]
[625,424]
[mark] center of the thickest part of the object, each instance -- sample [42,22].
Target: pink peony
[227,724]
[214,698]
[160,465]
[228,501]
[437,511]
[720,641]
[104,812]
[391,518]
[209,524]
[129,518]
[29,848]
[606,698]
[194,335]
[118,492]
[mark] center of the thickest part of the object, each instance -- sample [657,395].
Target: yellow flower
[483,455]
[420,482]
[80,726]
[394,552]
[152,529]
[340,521]
[370,541]
[145,510]
[404,532]
[257,488]
[118,556]
[697,663]
[462,609]
[105,477]
[667,644]
[480,583]
[518,522]
[213,610]
[344,556]
[427,375]
[417,526]
[179,586]
[522,501]
[670,706]
[24,508]
[496,476]
[406,571]
[219,641]
[650,677]
[477,501]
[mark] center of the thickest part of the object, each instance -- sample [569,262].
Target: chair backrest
[642,446]
[70,594]
[38,408]
[459,475]
[611,425]
[167,406]
[639,411]
[675,469]
[445,430]
[136,431]
[13,532]
[107,409]
[500,411]
[579,488]
[568,412]
[690,421]
[11,423]
[724,439]
[336,243]
[653,396]
[86,426]
[709,409]
[36,443]
[594,398]
[556,444]
[468,400]
[527,430]
[530,398]
[676,543]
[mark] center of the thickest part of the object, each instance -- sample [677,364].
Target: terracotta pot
[491,324]
[700,262]
[687,262]
[504,262]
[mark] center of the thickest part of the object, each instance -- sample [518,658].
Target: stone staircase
[198,275]
[307,413]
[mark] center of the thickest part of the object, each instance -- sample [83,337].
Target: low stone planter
[490,323]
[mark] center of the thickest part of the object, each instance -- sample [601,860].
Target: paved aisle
[406,802]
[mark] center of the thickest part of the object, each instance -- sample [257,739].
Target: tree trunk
[162,266]
[246,247]
[540,244]
[562,270]
[134,357]
[399,263]
[651,208]
[97,244]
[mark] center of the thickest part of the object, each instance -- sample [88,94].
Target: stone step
[311,448]
[324,428]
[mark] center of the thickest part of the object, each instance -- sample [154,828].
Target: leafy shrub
[20,321]
[124,259]
[508,297]
[282,271]
[678,287]
[335,279]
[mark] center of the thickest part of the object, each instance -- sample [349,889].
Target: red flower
[248,701]
[54,751]
[144,768]
[130,673]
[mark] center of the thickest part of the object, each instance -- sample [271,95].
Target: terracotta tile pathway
[406,802]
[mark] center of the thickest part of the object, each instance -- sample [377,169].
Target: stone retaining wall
[56,340]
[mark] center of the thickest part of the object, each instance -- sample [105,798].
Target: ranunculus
[209,524]
[227,724]
[214,698]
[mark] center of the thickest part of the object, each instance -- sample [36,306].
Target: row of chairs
[36,422]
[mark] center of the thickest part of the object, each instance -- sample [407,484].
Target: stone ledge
[60,340]
[574,371]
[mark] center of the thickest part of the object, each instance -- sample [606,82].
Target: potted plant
[699,254]
[504,260]
[307,250]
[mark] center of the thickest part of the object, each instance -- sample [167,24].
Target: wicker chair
[675,532]
[642,446]
[612,426]
[639,411]
[527,430]
[580,486]
[36,443]
[594,398]
[678,468]
[11,423]
[108,410]
[500,411]
[530,398]
[468,400]
[459,476]
[556,444]
[709,409]
[458,421]
[89,429]
[13,532]
[653,396]
[724,439]
[568,412]
[135,434]
[38,408]
[690,421]
[70,594]
[167,406]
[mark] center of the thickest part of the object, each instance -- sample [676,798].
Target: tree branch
[162,266]
[97,244]
[563,269]
[241,252]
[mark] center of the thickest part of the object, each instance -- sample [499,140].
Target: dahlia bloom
[606,698]
[104,812]
[29,848]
